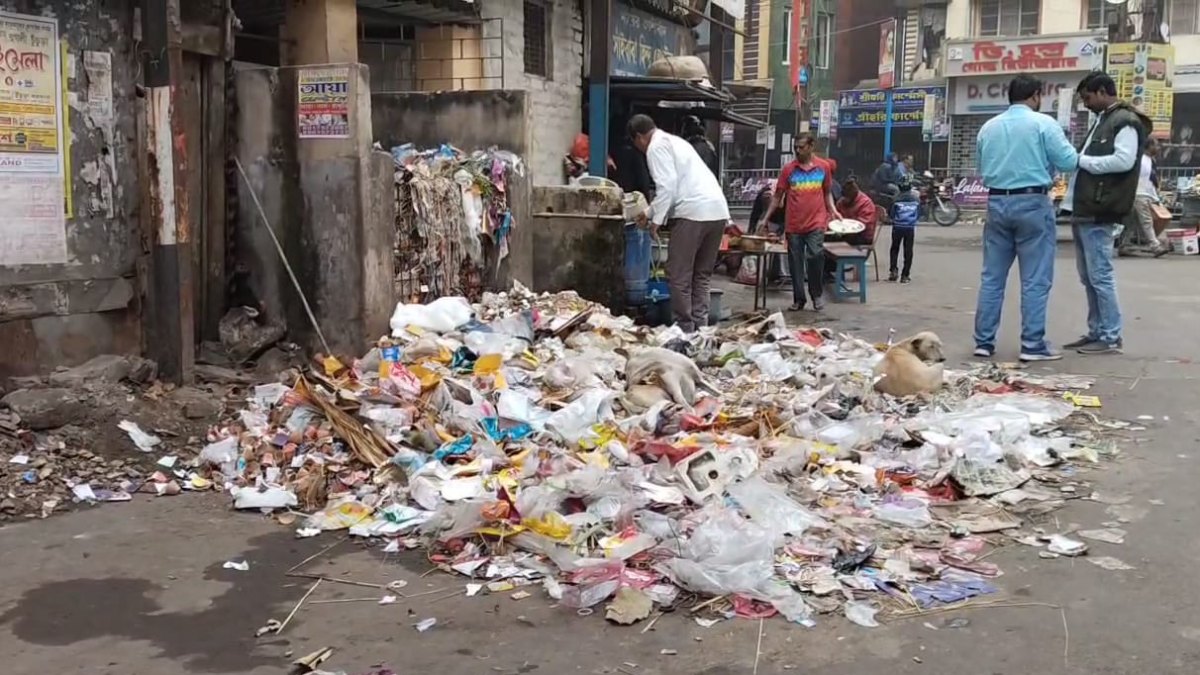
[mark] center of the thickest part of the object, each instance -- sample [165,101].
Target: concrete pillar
[320,31]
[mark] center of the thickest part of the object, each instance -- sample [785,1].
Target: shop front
[862,117]
[979,71]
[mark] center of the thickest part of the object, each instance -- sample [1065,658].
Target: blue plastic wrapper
[454,448]
[391,354]
[514,433]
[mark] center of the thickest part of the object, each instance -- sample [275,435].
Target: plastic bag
[773,510]
[770,362]
[574,422]
[440,316]
[861,613]
[726,554]
[906,513]
[748,271]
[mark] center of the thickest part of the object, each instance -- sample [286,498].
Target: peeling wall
[65,313]
[328,201]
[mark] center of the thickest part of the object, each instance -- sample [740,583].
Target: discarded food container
[1183,242]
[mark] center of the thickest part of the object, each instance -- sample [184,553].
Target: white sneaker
[982,353]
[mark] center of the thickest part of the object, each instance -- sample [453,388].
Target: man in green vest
[1101,194]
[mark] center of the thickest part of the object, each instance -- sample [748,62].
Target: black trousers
[902,236]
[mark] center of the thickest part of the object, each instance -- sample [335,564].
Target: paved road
[139,588]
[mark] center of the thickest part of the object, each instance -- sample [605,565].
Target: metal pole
[598,72]
[887,127]
[169,313]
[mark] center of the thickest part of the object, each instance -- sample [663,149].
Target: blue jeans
[806,261]
[1093,259]
[1021,228]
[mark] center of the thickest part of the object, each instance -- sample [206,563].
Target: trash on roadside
[1061,545]
[144,441]
[239,565]
[535,443]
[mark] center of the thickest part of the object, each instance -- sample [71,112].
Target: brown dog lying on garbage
[676,374]
[910,367]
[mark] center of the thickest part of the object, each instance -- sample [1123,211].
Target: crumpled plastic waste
[516,443]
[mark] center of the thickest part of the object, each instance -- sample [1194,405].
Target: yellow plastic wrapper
[332,366]
[427,377]
[488,364]
[1081,400]
[551,525]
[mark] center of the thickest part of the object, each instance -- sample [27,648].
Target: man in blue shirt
[1018,151]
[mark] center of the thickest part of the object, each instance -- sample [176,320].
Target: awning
[696,97]
[728,115]
[666,89]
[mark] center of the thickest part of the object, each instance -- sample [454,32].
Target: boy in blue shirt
[904,215]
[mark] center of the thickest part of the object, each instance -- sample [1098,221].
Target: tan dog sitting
[910,367]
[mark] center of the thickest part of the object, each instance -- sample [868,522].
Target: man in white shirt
[1143,203]
[689,195]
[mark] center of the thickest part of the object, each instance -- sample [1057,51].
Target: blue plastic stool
[848,258]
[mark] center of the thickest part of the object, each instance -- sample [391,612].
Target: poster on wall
[887,54]
[935,124]
[1144,74]
[827,120]
[33,230]
[323,107]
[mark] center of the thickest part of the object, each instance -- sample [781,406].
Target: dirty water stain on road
[67,612]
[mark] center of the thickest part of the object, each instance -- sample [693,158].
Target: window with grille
[821,40]
[1183,16]
[1093,16]
[1009,18]
[537,27]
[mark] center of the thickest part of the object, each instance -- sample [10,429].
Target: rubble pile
[538,440]
[100,432]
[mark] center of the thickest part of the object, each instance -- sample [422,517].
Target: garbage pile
[453,221]
[538,441]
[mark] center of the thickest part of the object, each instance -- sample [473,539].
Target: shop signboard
[641,38]
[987,95]
[1041,54]
[1144,74]
[887,54]
[877,119]
[867,108]
[902,97]
[970,192]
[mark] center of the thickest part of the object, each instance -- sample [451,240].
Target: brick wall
[556,102]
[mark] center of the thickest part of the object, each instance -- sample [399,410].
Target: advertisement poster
[1144,75]
[970,192]
[324,103]
[30,95]
[826,120]
[33,230]
[935,124]
[887,55]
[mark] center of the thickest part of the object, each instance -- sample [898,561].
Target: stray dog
[677,374]
[913,366]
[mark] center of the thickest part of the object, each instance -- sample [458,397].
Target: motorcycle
[936,200]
